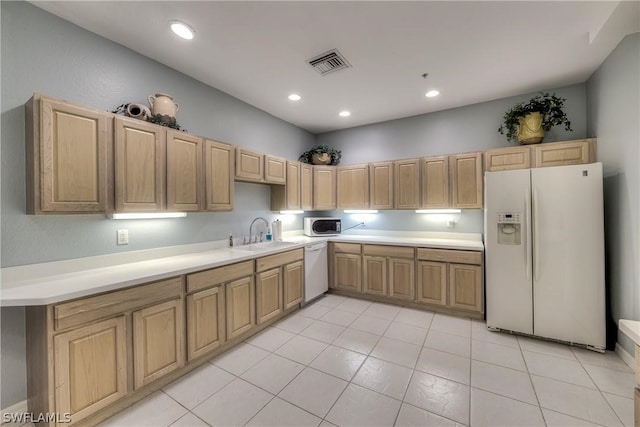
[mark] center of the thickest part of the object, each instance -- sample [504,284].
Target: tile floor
[349,362]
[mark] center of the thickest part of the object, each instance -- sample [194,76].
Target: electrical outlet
[123,237]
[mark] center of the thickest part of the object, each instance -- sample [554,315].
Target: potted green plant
[321,154]
[526,122]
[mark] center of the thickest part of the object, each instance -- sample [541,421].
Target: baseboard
[625,356]
[17,408]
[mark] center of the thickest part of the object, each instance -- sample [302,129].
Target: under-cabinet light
[361,211]
[147,215]
[294,212]
[439,211]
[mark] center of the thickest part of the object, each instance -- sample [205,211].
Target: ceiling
[473,51]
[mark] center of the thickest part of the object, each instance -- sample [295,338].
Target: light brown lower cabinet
[90,367]
[241,306]
[279,283]
[347,272]
[205,321]
[158,341]
[451,278]
[389,271]
[374,275]
[402,278]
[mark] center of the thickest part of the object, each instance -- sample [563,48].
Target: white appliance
[322,226]
[544,253]
[316,277]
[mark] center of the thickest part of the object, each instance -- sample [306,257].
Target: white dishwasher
[316,276]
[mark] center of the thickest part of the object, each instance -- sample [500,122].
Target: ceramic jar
[530,129]
[163,104]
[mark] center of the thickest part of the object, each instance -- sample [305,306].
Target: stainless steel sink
[263,246]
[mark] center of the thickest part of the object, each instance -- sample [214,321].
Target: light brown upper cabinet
[184,171]
[353,187]
[435,182]
[288,197]
[306,187]
[466,179]
[249,165]
[275,170]
[407,184]
[324,187]
[253,166]
[140,162]
[218,167]
[508,158]
[67,157]
[564,153]
[381,185]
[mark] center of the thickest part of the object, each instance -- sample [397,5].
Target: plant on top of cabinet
[321,154]
[526,122]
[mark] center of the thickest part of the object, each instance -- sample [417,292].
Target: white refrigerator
[544,253]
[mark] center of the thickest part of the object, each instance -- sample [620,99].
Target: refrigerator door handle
[536,227]
[527,233]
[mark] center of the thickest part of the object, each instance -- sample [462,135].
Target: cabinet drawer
[86,310]
[444,255]
[390,251]
[347,248]
[216,276]
[272,261]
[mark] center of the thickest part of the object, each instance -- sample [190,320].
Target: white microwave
[322,226]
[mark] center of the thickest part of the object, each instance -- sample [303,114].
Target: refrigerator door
[507,256]
[568,257]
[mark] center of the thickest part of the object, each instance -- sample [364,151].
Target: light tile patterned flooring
[348,362]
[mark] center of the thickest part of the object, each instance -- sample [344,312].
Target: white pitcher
[163,104]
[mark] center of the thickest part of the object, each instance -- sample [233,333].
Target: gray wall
[614,117]
[42,53]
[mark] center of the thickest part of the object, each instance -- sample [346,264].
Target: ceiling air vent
[329,62]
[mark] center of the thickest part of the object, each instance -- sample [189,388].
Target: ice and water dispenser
[509,228]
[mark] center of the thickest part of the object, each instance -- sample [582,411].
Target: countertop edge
[34,292]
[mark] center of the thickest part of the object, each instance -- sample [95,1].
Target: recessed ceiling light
[432,93]
[294,97]
[182,30]
[344,114]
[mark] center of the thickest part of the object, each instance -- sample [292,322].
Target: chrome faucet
[266,223]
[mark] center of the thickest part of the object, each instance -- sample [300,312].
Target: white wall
[613,95]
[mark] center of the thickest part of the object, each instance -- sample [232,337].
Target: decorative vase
[530,129]
[138,111]
[321,159]
[163,104]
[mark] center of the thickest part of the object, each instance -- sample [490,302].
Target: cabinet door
[509,158]
[381,185]
[275,170]
[268,294]
[241,306]
[435,182]
[158,341]
[564,153]
[67,157]
[402,282]
[432,282]
[205,321]
[184,171]
[249,165]
[306,187]
[324,188]
[466,179]
[347,272]
[140,153]
[287,197]
[219,166]
[90,367]
[374,275]
[293,284]
[465,287]
[352,183]
[407,184]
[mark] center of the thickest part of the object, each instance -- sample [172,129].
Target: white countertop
[47,283]
[630,328]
